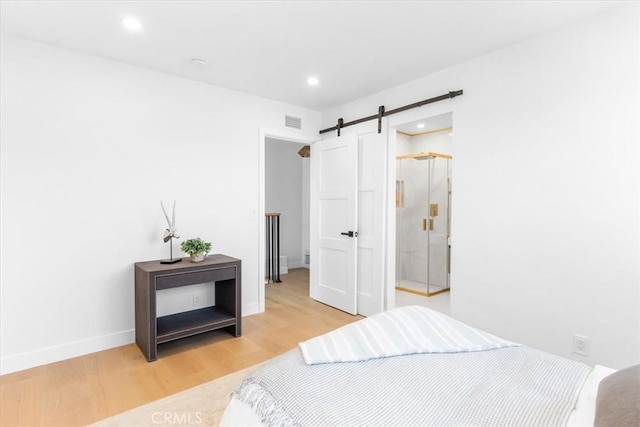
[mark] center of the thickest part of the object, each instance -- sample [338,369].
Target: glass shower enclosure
[423,212]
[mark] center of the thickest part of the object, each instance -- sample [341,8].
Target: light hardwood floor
[85,389]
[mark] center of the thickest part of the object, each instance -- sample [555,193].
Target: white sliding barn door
[334,196]
[348,176]
[372,208]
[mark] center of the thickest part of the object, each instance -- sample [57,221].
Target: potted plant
[196,248]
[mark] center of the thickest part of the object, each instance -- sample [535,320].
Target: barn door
[348,222]
[371,223]
[334,215]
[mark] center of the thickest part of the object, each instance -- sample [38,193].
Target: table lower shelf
[192,322]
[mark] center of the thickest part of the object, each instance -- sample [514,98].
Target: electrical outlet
[581,344]
[196,300]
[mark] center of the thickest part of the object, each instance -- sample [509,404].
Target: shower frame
[430,157]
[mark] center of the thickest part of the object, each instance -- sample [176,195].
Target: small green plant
[195,246]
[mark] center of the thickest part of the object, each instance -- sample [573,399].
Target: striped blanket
[511,386]
[404,330]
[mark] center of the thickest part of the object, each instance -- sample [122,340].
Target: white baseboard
[249,309]
[57,353]
[31,359]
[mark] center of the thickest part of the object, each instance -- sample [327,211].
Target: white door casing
[334,210]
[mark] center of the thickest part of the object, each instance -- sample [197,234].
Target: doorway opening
[287,199]
[284,190]
[423,211]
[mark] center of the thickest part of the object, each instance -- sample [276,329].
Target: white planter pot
[199,257]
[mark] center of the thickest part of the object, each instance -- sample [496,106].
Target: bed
[414,366]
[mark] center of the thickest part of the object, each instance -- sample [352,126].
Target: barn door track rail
[383,113]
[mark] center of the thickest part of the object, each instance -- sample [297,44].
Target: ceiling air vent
[293,122]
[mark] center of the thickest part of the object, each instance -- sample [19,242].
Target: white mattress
[240,414]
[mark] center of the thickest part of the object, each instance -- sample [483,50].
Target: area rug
[202,405]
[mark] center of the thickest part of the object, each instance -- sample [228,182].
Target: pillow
[618,401]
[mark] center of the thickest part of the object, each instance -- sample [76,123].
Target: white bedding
[401,331]
[530,386]
[240,414]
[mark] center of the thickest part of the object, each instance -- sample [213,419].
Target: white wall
[437,142]
[284,194]
[545,218]
[89,147]
[403,144]
[545,202]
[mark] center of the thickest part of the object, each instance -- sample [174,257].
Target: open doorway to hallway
[286,203]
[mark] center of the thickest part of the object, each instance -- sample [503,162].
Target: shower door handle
[350,233]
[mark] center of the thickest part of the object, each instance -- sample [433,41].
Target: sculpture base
[170,261]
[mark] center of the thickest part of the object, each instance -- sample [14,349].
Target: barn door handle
[350,233]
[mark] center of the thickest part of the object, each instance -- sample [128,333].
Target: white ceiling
[269,48]
[429,124]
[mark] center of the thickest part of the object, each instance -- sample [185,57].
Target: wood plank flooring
[86,389]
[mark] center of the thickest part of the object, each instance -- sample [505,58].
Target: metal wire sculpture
[170,233]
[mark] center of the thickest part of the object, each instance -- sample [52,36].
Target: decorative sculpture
[170,233]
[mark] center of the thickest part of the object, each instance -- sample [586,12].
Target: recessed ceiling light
[420,125]
[313,81]
[131,24]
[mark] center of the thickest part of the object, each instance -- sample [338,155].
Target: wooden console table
[151,276]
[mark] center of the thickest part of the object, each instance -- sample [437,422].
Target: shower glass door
[422,229]
[438,227]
